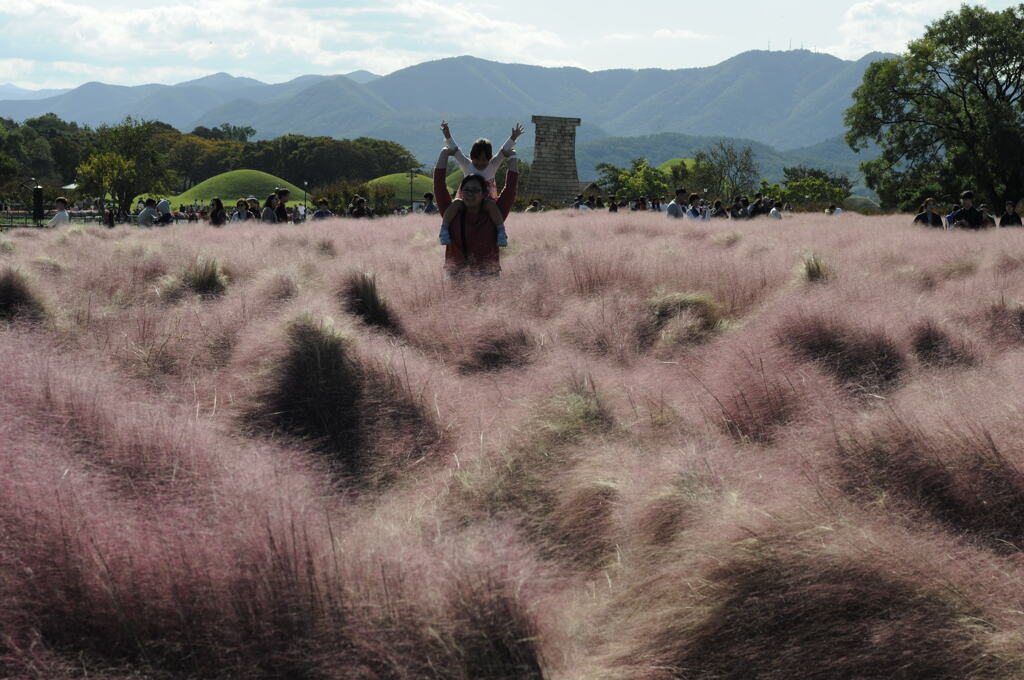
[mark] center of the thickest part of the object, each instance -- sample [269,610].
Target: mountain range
[789,100]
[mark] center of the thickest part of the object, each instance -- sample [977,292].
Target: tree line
[723,171]
[138,156]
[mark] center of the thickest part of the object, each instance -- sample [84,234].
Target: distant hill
[13,92]
[362,77]
[784,99]
[230,186]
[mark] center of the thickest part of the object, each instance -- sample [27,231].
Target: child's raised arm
[464,163]
[510,143]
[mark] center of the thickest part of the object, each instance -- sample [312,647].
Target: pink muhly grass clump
[318,389]
[864,359]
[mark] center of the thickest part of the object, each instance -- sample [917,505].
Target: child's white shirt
[488,173]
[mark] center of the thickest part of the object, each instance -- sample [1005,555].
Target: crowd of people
[965,215]
[689,206]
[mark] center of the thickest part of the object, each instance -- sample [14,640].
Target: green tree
[609,178]
[948,113]
[144,144]
[813,192]
[69,143]
[678,174]
[836,180]
[642,180]
[723,170]
[106,174]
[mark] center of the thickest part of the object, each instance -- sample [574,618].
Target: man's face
[1010,207]
[967,202]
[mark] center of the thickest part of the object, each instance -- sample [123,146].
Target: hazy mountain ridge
[787,100]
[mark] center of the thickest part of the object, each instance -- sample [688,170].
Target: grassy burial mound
[651,449]
[235,184]
[399,184]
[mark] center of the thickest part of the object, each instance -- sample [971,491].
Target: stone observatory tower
[553,173]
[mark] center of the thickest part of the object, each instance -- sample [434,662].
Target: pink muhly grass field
[650,449]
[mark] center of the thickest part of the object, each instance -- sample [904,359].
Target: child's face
[480,161]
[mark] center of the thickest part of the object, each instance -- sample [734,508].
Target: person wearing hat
[255,211]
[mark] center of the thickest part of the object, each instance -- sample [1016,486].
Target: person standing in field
[147,217]
[678,207]
[428,204]
[281,208]
[218,216]
[241,213]
[472,246]
[967,217]
[61,216]
[270,209]
[1010,217]
[322,211]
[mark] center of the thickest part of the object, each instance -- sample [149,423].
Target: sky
[64,43]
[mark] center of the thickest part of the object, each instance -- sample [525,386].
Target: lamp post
[305,192]
[412,175]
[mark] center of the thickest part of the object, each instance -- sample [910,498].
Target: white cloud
[680,34]
[128,45]
[885,25]
[15,69]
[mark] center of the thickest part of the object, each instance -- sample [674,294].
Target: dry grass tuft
[813,269]
[205,277]
[496,346]
[681,318]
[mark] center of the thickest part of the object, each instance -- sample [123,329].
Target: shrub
[48,265]
[325,247]
[281,286]
[775,616]
[6,246]
[681,318]
[582,522]
[861,359]
[361,297]
[813,269]
[496,347]
[933,347]
[1006,321]
[727,239]
[494,638]
[529,481]
[758,405]
[205,277]
[17,300]
[961,478]
[670,507]
[361,418]
[314,392]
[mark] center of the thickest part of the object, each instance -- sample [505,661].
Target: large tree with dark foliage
[948,113]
